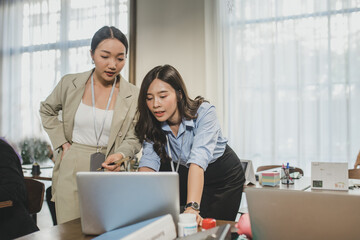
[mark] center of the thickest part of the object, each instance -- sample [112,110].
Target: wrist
[191,210]
[193,205]
[65,146]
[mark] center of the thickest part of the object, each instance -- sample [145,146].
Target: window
[42,40]
[294,80]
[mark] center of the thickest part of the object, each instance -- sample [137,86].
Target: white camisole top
[84,132]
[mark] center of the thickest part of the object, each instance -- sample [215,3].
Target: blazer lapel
[122,105]
[73,99]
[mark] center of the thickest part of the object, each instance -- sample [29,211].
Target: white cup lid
[187,217]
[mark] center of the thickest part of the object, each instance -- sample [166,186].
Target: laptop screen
[244,165]
[287,214]
[110,200]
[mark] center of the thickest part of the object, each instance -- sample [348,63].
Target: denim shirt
[198,141]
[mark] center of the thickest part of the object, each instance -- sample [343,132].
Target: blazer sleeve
[131,144]
[49,113]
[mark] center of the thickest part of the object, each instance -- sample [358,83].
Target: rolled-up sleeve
[149,157]
[206,133]
[49,111]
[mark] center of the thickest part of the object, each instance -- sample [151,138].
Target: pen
[117,163]
[287,174]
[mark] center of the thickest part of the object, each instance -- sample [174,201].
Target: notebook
[280,214]
[110,200]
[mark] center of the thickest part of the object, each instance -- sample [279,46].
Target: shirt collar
[184,124]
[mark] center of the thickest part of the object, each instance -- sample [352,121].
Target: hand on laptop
[110,159]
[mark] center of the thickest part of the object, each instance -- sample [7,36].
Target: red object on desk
[208,223]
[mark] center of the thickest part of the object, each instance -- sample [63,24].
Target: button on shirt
[199,141]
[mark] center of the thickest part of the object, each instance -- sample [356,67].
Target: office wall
[172,32]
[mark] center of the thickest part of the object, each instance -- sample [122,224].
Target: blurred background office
[284,75]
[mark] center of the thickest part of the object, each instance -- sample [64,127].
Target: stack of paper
[270,178]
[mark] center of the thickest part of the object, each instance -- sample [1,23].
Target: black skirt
[223,186]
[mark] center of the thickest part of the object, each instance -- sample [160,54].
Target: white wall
[185,34]
[172,32]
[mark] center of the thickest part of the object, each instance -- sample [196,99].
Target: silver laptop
[111,200]
[279,214]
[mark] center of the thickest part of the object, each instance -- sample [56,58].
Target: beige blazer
[67,96]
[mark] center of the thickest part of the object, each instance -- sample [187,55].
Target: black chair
[35,196]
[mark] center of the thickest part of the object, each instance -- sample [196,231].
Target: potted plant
[34,151]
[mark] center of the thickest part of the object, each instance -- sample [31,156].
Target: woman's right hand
[65,148]
[199,219]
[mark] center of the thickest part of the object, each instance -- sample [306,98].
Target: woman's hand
[197,213]
[65,147]
[110,159]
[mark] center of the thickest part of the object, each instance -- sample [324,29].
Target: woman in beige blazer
[98,115]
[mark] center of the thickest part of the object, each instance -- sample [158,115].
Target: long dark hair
[148,127]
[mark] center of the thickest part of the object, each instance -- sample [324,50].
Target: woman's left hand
[110,159]
[197,213]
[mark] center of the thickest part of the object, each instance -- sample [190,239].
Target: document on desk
[329,175]
[162,227]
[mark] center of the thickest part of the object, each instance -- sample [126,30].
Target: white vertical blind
[293,80]
[42,40]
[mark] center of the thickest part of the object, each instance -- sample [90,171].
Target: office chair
[354,173]
[4,204]
[35,196]
[267,167]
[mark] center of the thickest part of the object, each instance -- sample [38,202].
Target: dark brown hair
[107,32]
[148,127]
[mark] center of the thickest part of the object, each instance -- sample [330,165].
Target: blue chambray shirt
[199,141]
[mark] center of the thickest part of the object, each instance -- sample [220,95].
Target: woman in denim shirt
[184,135]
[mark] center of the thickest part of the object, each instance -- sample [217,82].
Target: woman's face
[162,103]
[109,58]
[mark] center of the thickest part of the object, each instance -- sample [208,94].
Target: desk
[72,230]
[299,184]
[351,191]
[304,184]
